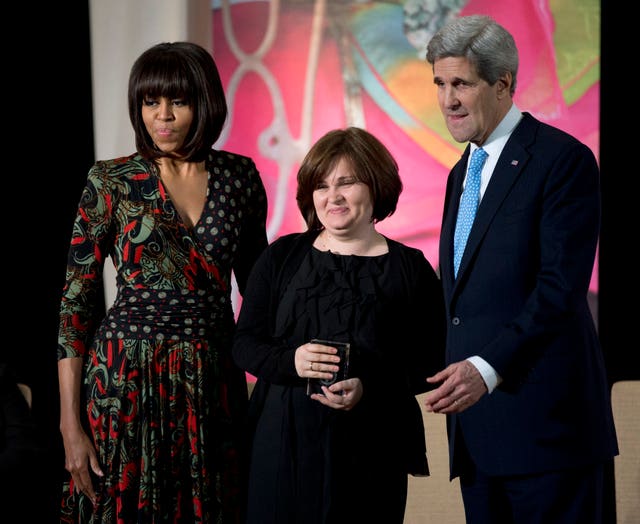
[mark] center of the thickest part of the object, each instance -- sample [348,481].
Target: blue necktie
[468,206]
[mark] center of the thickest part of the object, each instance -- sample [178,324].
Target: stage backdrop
[295,69]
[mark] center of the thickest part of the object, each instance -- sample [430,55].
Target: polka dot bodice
[172,280]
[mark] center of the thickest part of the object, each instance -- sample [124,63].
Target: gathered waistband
[173,314]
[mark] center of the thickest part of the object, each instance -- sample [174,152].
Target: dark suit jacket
[520,302]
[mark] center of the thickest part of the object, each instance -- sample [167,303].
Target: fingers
[313,369]
[456,405]
[341,401]
[89,491]
[320,361]
[83,484]
[461,390]
[343,395]
[438,377]
[441,399]
[452,403]
[95,466]
[322,370]
[435,404]
[78,464]
[316,361]
[320,353]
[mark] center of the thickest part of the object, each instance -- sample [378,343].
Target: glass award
[314,385]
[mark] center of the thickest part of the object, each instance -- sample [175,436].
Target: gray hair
[482,41]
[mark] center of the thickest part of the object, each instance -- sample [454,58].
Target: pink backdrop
[276,112]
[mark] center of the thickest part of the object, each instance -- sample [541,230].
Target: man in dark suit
[525,390]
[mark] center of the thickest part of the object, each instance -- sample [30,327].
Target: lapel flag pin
[514,162]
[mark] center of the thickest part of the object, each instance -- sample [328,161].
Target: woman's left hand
[342,395]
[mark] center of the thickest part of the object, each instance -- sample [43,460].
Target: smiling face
[167,121]
[343,204]
[471,107]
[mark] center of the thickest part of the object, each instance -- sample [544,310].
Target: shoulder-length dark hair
[370,161]
[179,70]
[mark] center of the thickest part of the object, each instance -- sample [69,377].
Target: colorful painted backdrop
[296,69]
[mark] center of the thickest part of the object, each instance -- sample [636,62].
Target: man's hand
[462,386]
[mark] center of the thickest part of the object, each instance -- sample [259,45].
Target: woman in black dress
[343,454]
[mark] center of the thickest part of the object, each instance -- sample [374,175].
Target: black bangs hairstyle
[179,70]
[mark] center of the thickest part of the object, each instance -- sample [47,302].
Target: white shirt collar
[495,144]
[496,141]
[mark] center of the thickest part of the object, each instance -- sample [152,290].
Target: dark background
[49,138]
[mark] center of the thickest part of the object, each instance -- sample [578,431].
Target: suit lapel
[512,161]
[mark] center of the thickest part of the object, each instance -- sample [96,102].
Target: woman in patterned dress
[152,406]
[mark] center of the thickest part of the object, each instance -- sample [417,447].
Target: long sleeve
[255,349]
[253,239]
[425,321]
[82,295]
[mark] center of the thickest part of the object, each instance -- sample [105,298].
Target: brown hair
[370,161]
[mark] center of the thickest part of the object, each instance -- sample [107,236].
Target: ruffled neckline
[330,295]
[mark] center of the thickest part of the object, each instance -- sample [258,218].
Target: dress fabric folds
[165,404]
[315,465]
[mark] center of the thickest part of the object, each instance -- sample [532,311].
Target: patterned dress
[165,404]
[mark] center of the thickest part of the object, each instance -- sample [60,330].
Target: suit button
[455,321]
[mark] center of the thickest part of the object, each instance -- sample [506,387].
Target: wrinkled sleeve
[255,349]
[82,293]
[253,239]
[426,323]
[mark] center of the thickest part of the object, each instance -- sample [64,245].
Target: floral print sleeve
[90,241]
